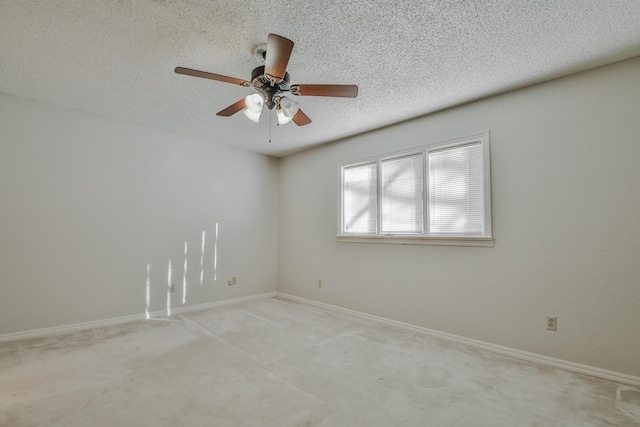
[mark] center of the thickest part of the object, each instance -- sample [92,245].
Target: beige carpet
[276,363]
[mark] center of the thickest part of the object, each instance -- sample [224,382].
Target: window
[438,194]
[360,198]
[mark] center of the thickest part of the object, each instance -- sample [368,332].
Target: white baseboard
[506,351]
[35,333]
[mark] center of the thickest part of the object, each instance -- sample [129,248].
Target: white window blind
[437,194]
[456,191]
[360,198]
[401,193]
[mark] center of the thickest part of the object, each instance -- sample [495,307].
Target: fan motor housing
[268,88]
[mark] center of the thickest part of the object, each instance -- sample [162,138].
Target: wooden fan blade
[344,91]
[278,53]
[232,109]
[211,76]
[301,118]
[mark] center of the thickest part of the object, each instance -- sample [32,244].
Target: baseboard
[56,330]
[506,351]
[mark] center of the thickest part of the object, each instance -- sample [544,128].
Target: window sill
[486,242]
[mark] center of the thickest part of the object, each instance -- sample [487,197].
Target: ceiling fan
[271,81]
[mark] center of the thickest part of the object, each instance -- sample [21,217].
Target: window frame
[485,240]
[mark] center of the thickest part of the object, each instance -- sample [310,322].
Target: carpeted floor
[277,363]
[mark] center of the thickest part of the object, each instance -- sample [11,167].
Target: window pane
[401,207]
[360,199]
[456,191]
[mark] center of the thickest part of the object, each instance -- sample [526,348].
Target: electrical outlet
[319,283]
[552,323]
[232,281]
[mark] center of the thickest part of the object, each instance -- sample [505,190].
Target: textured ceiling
[409,58]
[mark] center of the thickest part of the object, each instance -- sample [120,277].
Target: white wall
[565,161]
[87,202]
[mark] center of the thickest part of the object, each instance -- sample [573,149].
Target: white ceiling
[409,58]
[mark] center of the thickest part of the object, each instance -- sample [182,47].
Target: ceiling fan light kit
[285,110]
[271,81]
[254,104]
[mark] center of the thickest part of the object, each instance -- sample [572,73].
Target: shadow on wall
[208,266]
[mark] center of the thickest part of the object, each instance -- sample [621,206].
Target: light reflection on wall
[148,293]
[202,260]
[215,256]
[184,276]
[169,289]
[204,250]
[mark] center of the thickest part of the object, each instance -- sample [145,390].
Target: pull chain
[270,121]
